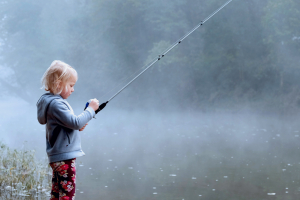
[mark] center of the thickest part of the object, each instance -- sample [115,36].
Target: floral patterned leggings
[63,180]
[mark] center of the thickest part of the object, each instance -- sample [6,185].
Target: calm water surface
[131,155]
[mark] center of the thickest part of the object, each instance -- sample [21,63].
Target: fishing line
[162,55]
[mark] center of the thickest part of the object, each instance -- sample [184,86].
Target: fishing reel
[100,107]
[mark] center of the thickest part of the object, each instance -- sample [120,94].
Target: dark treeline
[245,57]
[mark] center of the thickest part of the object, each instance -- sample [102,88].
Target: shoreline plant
[22,176]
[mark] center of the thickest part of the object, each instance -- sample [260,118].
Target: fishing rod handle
[100,107]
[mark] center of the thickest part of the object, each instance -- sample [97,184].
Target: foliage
[243,56]
[21,174]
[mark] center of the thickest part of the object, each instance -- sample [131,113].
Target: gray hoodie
[62,135]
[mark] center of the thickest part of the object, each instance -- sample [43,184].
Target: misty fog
[216,118]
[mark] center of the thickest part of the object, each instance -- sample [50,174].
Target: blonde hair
[58,73]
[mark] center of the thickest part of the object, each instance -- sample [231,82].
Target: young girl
[63,143]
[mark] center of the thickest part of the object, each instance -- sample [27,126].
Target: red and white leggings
[63,180]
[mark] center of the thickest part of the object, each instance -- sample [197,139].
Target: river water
[183,155]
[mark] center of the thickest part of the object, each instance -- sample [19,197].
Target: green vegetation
[21,174]
[245,57]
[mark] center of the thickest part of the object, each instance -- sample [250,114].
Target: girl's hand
[94,104]
[83,127]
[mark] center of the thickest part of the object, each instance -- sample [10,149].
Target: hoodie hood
[43,104]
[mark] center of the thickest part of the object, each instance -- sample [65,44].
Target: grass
[22,176]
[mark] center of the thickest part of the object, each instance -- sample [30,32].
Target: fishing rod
[160,56]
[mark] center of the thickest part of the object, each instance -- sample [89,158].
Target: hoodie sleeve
[64,117]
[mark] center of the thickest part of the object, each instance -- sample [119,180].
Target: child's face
[67,91]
